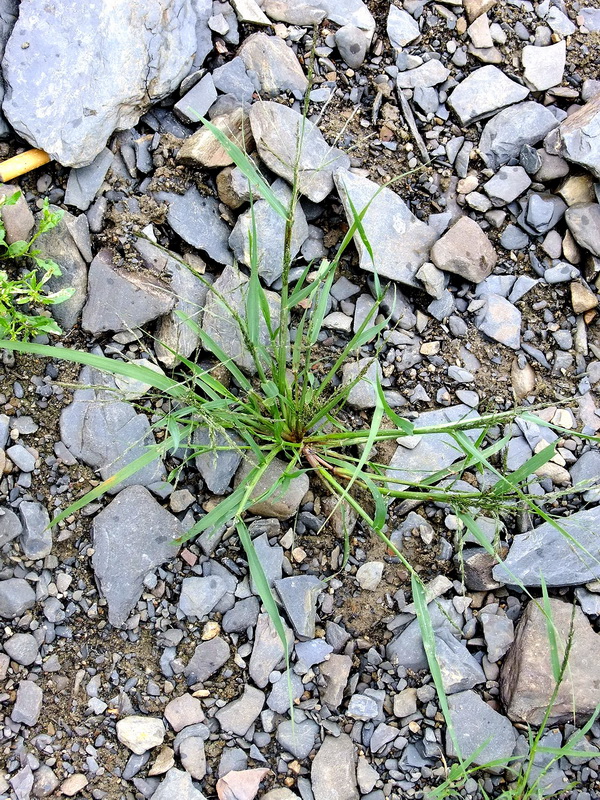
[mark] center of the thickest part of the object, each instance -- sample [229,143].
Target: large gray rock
[544,66]
[348,12]
[284,502]
[237,717]
[583,220]
[174,336]
[568,560]
[429,74]
[465,250]
[59,245]
[526,678]
[177,784]
[9,10]
[482,733]
[16,597]
[276,130]
[500,320]
[270,234]
[119,299]
[402,29]
[231,289]
[400,242]
[275,65]
[298,739]
[333,771]
[200,595]
[90,74]
[578,137]
[132,536]
[106,433]
[196,218]
[505,134]
[483,92]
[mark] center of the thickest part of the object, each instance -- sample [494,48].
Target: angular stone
[196,218]
[84,183]
[429,74]
[207,659]
[288,689]
[499,633]
[500,320]
[145,49]
[177,784]
[582,298]
[195,103]
[121,300]
[200,595]
[352,44]
[107,434]
[284,502]
[546,551]
[10,526]
[8,16]
[299,597]
[237,717]
[363,393]
[465,250]
[218,323]
[17,218]
[526,677]
[333,771]
[511,129]
[275,65]
[506,185]
[28,705]
[348,12]
[36,539]
[399,241]
[242,616]
[402,29]
[483,92]
[193,757]
[336,671]
[270,234]
[22,648]
[276,129]
[59,245]
[577,138]
[583,220]
[132,536]
[204,149]
[297,739]
[183,711]
[544,66]
[268,651]
[459,669]
[482,733]
[293,12]
[219,466]
[16,597]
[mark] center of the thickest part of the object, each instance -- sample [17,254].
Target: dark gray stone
[107,434]
[120,300]
[196,218]
[505,134]
[28,705]
[482,733]
[195,103]
[237,717]
[200,595]
[16,597]
[242,616]
[233,79]
[36,539]
[270,234]
[514,238]
[207,659]
[276,130]
[352,44]
[298,738]
[400,242]
[132,536]
[299,595]
[145,49]
[83,183]
[546,551]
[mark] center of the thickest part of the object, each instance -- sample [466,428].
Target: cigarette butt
[24,162]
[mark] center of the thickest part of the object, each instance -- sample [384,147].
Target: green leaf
[17,249]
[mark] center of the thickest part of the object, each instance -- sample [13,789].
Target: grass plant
[292,407]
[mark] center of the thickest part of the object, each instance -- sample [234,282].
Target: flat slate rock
[208,658]
[526,676]
[544,66]
[120,300]
[237,717]
[16,597]
[545,551]
[270,234]
[521,124]
[8,16]
[197,219]
[268,651]
[583,220]
[276,130]
[465,250]
[578,139]
[217,466]
[483,92]
[482,733]
[218,323]
[333,770]
[275,65]
[299,595]
[107,434]
[402,28]
[500,320]
[132,536]
[177,783]
[72,105]
[400,242]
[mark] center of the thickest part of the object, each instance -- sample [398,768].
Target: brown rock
[582,298]
[526,678]
[73,784]
[18,219]
[475,8]
[522,380]
[465,250]
[204,149]
[335,671]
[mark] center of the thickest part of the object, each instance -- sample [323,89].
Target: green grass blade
[551,631]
